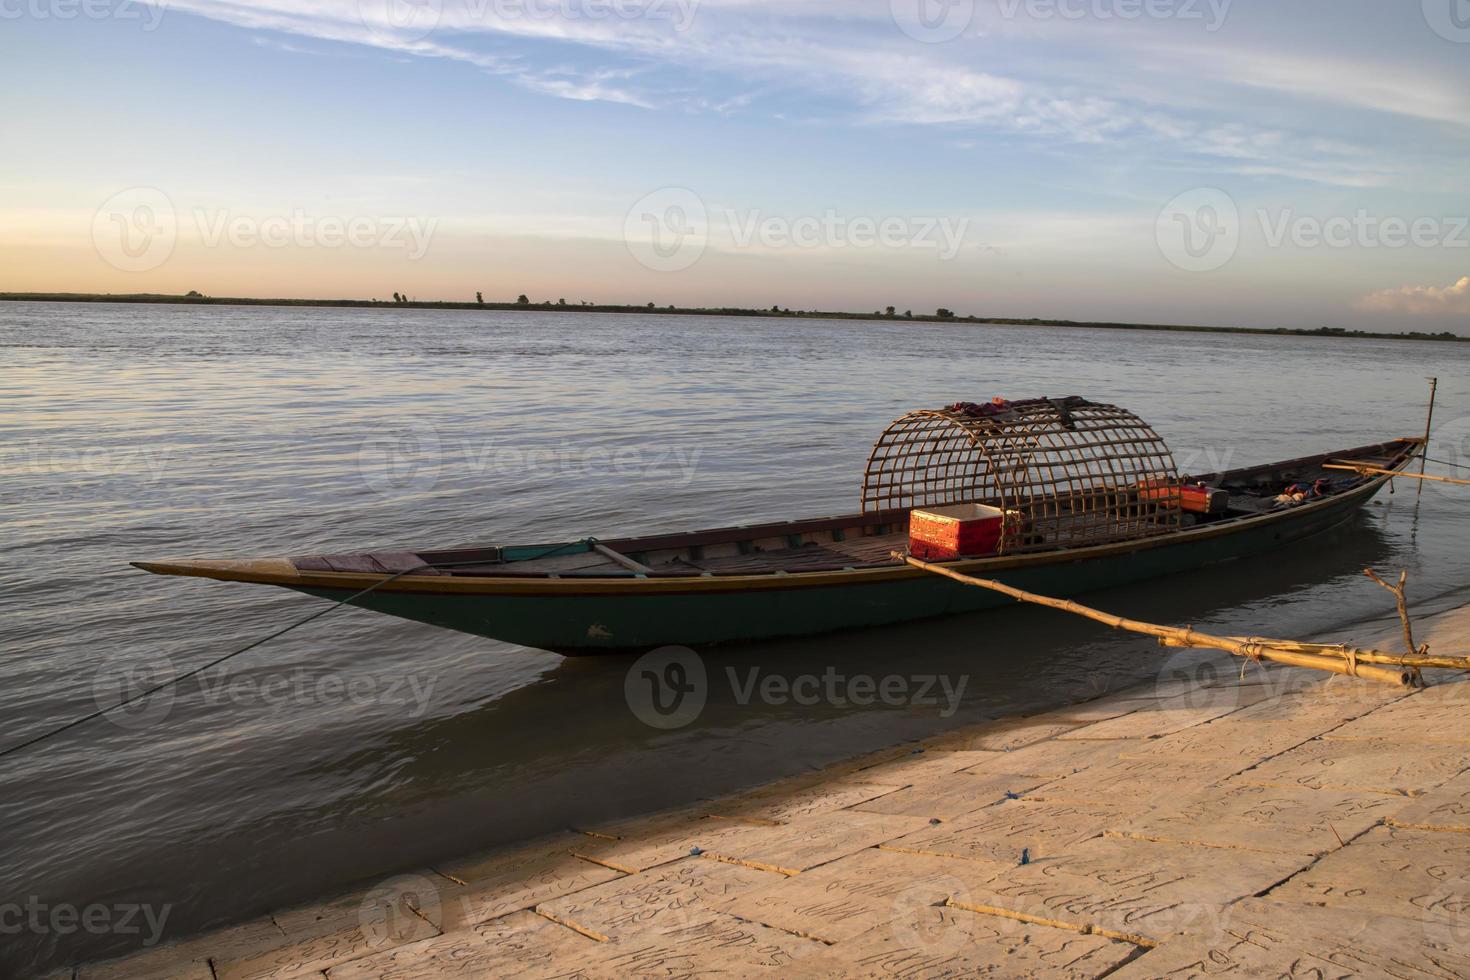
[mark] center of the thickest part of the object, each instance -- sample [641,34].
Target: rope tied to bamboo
[1253,650]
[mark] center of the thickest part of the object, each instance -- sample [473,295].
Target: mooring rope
[44,736]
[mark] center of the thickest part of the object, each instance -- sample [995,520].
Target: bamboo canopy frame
[1074,472]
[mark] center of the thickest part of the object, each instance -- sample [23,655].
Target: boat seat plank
[374,563]
[563,563]
[355,563]
[805,558]
[850,523]
[873,549]
[402,561]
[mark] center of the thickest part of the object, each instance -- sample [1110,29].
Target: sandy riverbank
[1283,820]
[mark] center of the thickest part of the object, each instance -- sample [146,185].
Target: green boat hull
[591,623]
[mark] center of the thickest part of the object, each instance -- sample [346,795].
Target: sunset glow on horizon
[1164,161]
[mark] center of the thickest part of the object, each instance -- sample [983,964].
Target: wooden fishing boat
[1097,494]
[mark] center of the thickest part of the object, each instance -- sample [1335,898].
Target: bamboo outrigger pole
[1390,668]
[1367,470]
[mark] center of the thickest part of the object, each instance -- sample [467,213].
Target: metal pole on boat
[1428,427]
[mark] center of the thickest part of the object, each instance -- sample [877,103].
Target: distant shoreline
[195,299]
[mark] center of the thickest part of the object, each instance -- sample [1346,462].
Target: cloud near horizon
[1421,300]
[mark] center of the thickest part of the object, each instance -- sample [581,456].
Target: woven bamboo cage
[1073,472]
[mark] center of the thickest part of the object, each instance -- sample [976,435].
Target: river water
[358,745]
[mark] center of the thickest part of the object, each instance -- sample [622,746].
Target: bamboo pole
[1174,636]
[1342,650]
[1293,658]
[1428,429]
[1365,469]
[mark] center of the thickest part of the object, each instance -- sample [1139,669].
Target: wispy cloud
[1166,88]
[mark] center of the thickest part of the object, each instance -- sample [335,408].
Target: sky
[1230,162]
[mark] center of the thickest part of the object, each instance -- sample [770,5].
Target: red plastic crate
[959,530]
